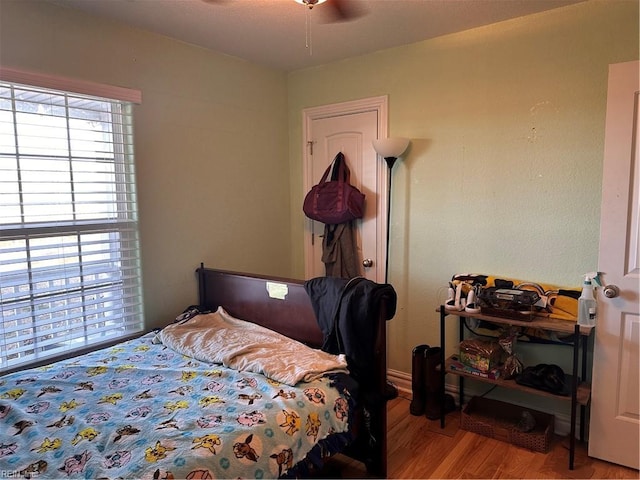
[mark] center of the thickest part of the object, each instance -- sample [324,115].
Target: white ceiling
[274,32]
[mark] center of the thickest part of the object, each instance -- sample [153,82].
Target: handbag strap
[341,172]
[340,169]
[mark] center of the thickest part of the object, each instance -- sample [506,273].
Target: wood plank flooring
[419,449]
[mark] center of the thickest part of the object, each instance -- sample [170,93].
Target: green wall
[503,174]
[211,143]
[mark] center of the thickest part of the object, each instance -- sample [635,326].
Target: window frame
[108,93]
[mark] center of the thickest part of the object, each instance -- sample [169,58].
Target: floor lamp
[389,149]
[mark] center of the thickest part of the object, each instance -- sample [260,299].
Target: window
[69,250]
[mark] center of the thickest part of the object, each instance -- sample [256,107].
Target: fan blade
[342,10]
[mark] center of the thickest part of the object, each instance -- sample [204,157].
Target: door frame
[380,106]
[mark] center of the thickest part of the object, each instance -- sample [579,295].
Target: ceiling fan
[339,10]
[334,10]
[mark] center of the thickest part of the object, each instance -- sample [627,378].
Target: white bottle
[587,304]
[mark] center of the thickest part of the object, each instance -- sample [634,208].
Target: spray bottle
[587,301]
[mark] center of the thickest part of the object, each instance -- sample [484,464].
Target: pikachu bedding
[143,410]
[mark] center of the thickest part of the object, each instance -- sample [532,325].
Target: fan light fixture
[310,3]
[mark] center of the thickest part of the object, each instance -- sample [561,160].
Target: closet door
[349,128]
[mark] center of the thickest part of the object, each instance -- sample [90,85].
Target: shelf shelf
[539,321]
[580,396]
[583,392]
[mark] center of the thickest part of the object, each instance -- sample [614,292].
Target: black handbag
[334,201]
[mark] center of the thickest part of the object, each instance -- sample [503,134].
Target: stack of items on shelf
[497,360]
[510,302]
[478,357]
[511,298]
[488,358]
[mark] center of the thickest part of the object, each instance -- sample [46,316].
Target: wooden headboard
[277,303]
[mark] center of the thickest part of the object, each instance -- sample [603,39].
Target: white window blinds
[69,250]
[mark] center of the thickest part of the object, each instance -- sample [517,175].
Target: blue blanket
[141,410]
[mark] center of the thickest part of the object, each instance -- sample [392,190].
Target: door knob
[367,262]
[611,291]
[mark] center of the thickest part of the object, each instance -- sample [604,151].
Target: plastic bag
[512,365]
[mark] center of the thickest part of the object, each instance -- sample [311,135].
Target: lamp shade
[390,147]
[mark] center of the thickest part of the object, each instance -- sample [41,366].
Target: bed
[158,407]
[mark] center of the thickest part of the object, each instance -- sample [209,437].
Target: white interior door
[615,410]
[349,128]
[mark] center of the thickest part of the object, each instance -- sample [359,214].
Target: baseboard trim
[402,381]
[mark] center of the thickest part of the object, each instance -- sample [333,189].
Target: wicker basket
[496,419]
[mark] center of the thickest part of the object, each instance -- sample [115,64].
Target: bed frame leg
[377,457]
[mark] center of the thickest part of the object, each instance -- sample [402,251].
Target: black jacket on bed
[347,312]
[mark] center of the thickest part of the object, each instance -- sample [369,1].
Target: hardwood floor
[419,448]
